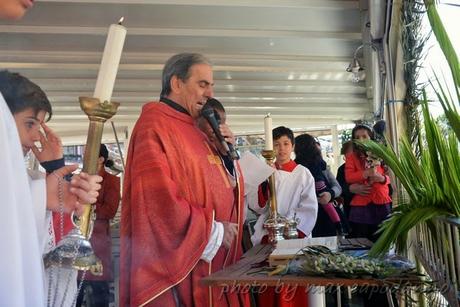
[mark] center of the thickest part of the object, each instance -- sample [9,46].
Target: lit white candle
[268,132]
[110,61]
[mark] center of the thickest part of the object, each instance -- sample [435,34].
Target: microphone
[213,119]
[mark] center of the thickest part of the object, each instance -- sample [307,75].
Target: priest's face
[283,149]
[193,93]
[28,123]
[14,9]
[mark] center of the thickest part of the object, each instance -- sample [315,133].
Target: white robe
[63,281]
[21,266]
[295,194]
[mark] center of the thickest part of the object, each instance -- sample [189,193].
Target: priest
[178,200]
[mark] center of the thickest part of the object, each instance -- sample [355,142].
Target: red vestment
[174,186]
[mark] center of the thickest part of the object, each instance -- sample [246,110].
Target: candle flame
[121,20]
[268,115]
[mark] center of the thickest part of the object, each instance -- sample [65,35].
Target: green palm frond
[395,229]
[447,103]
[431,181]
[429,178]
[444,42]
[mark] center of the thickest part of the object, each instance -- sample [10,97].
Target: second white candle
[268,132]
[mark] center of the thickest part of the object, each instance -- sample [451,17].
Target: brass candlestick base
[75,250]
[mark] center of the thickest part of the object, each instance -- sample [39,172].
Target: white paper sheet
[255,171]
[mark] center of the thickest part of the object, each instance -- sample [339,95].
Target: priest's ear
[176,84]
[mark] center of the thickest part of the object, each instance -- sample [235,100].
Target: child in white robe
[295,190]
[29,106]
[296,198]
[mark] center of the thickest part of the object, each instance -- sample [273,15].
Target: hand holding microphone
[213,118]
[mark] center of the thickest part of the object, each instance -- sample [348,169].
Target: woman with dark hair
[308,154]
[366,211]
[369,210]
[349,190]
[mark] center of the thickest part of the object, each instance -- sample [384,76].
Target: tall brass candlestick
[98,113]
[275,224]
[75,250]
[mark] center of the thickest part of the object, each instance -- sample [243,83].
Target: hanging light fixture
[355,66]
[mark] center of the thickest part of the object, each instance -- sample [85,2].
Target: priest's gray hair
[179,65]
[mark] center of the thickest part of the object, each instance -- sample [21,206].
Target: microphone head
[207,111]
[217,116]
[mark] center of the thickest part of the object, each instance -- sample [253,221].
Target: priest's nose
[209,93]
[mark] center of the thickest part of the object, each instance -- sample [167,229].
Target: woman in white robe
[34,195]
[21,267]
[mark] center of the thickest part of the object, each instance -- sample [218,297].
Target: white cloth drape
[21,266]
[63,281]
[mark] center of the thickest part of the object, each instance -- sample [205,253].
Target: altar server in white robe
[21,275]
[20,261]
[295,190]
[293,194]
[35,196]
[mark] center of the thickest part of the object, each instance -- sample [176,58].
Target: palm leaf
[431,177]
[397,226]
[444,42]
[450,110]
[450,54]
[430,181]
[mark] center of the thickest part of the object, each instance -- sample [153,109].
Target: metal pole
[393,123]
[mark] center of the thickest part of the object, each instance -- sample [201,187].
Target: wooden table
[245,275]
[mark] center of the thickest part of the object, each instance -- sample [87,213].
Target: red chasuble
[231,297]
[237,217]
[174,186]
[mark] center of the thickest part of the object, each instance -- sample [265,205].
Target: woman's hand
[324,198]
[83,189]
[377,177]
[227,133]
[360,189]
[369,172]
[51,146]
